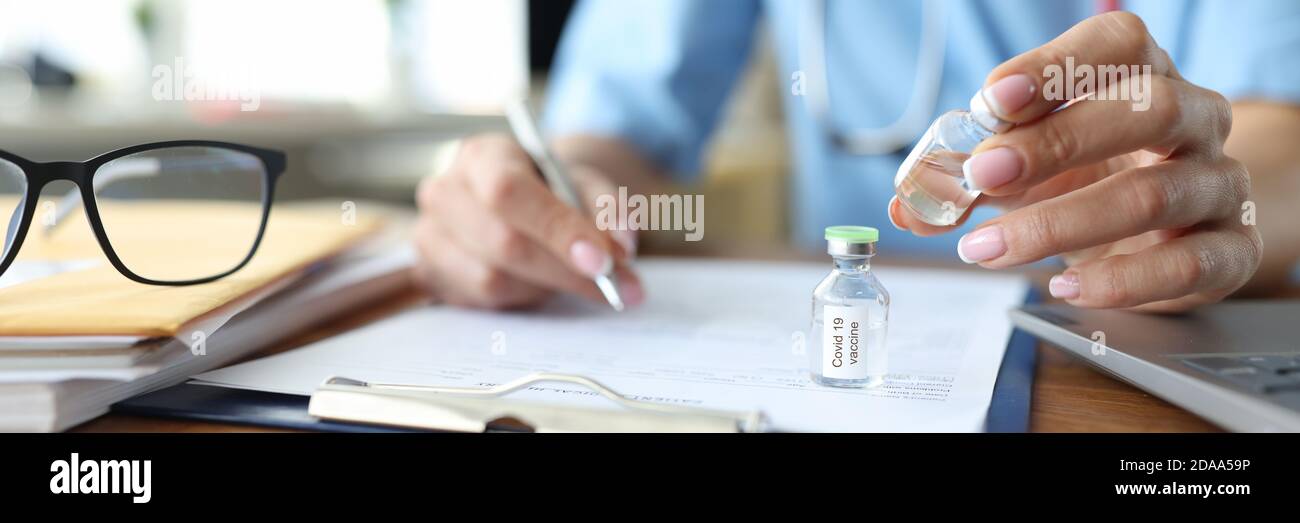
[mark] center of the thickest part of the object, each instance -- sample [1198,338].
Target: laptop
[1236,363]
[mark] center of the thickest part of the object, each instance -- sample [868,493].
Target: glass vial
[930,182]
[850,310]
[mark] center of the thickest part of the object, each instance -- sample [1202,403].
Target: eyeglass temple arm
[135,168]
[12,230]
[110,172]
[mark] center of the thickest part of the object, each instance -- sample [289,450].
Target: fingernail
[1064,286]
[992,168]
[626,238]
[889,211]
[632,292]
[982,245]
[590,260]
[1010,94]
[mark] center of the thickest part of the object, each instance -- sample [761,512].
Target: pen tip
[610,290]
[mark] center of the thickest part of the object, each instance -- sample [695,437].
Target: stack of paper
[75,335]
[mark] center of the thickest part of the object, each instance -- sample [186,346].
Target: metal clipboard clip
[467,409]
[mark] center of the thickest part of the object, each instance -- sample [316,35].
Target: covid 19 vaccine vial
[930,182]
[850,311]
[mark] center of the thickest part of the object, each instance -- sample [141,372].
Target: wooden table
[1068,396]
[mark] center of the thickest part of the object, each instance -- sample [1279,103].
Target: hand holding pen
[493,233]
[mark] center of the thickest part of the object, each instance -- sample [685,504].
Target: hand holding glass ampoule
[1135,194]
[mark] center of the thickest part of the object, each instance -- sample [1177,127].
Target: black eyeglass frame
[40,174]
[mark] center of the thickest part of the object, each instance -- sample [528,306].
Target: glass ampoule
[930,182]
[850,310]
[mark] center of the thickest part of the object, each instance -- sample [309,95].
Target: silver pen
[530,138]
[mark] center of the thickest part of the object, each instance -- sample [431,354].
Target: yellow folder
[100,301]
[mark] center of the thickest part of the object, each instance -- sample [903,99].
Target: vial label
[844,338]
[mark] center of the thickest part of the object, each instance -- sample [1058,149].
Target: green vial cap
[853,234]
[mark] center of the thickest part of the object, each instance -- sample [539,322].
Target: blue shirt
[656,73]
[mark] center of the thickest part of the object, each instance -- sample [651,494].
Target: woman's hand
[491,234]
[1143,205]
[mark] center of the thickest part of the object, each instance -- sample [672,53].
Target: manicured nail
[982,245]
[889,211]
[632,292]
[1064,286]
[992,168]
[1010,94]
[626,238]
[590,260]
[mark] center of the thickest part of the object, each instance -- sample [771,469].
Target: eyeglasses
[167,213]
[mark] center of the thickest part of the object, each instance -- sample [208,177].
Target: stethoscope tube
[920,107]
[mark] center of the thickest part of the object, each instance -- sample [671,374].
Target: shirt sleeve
[655,73]
[1245,49]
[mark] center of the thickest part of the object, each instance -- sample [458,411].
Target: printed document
[719,334]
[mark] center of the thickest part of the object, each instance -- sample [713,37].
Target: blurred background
[366,96]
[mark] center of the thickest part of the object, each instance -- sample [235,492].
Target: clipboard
[461,409]
[1008,409]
